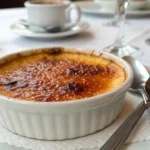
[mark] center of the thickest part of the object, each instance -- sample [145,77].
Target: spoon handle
[118,139]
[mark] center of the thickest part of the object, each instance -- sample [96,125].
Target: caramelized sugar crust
[59,76]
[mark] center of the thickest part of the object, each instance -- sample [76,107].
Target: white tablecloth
[96,37]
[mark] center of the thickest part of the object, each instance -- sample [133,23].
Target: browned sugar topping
[47,80]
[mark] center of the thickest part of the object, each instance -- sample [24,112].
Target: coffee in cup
[48,2]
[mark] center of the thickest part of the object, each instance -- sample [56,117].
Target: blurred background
[11,3]
[17,3]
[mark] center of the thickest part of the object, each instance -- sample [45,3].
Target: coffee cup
[47,13]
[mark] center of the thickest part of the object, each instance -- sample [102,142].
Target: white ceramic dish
[19,29]
[133,5]
[64,120]
[98,9]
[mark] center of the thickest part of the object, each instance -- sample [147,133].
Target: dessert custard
[56,75]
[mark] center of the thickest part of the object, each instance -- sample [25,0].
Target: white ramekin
[64,120]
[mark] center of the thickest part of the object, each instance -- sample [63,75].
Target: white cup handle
[78,12]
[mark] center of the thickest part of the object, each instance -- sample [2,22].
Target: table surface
[97,37]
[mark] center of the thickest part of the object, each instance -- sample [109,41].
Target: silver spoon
[118,139]
[141,75]
[40,29]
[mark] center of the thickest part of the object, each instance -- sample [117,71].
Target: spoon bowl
[141,75]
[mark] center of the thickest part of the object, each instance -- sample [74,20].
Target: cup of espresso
[47,13]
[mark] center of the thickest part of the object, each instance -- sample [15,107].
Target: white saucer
[98,9]
[21,30]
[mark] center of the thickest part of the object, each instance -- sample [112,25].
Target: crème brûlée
[56,75]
